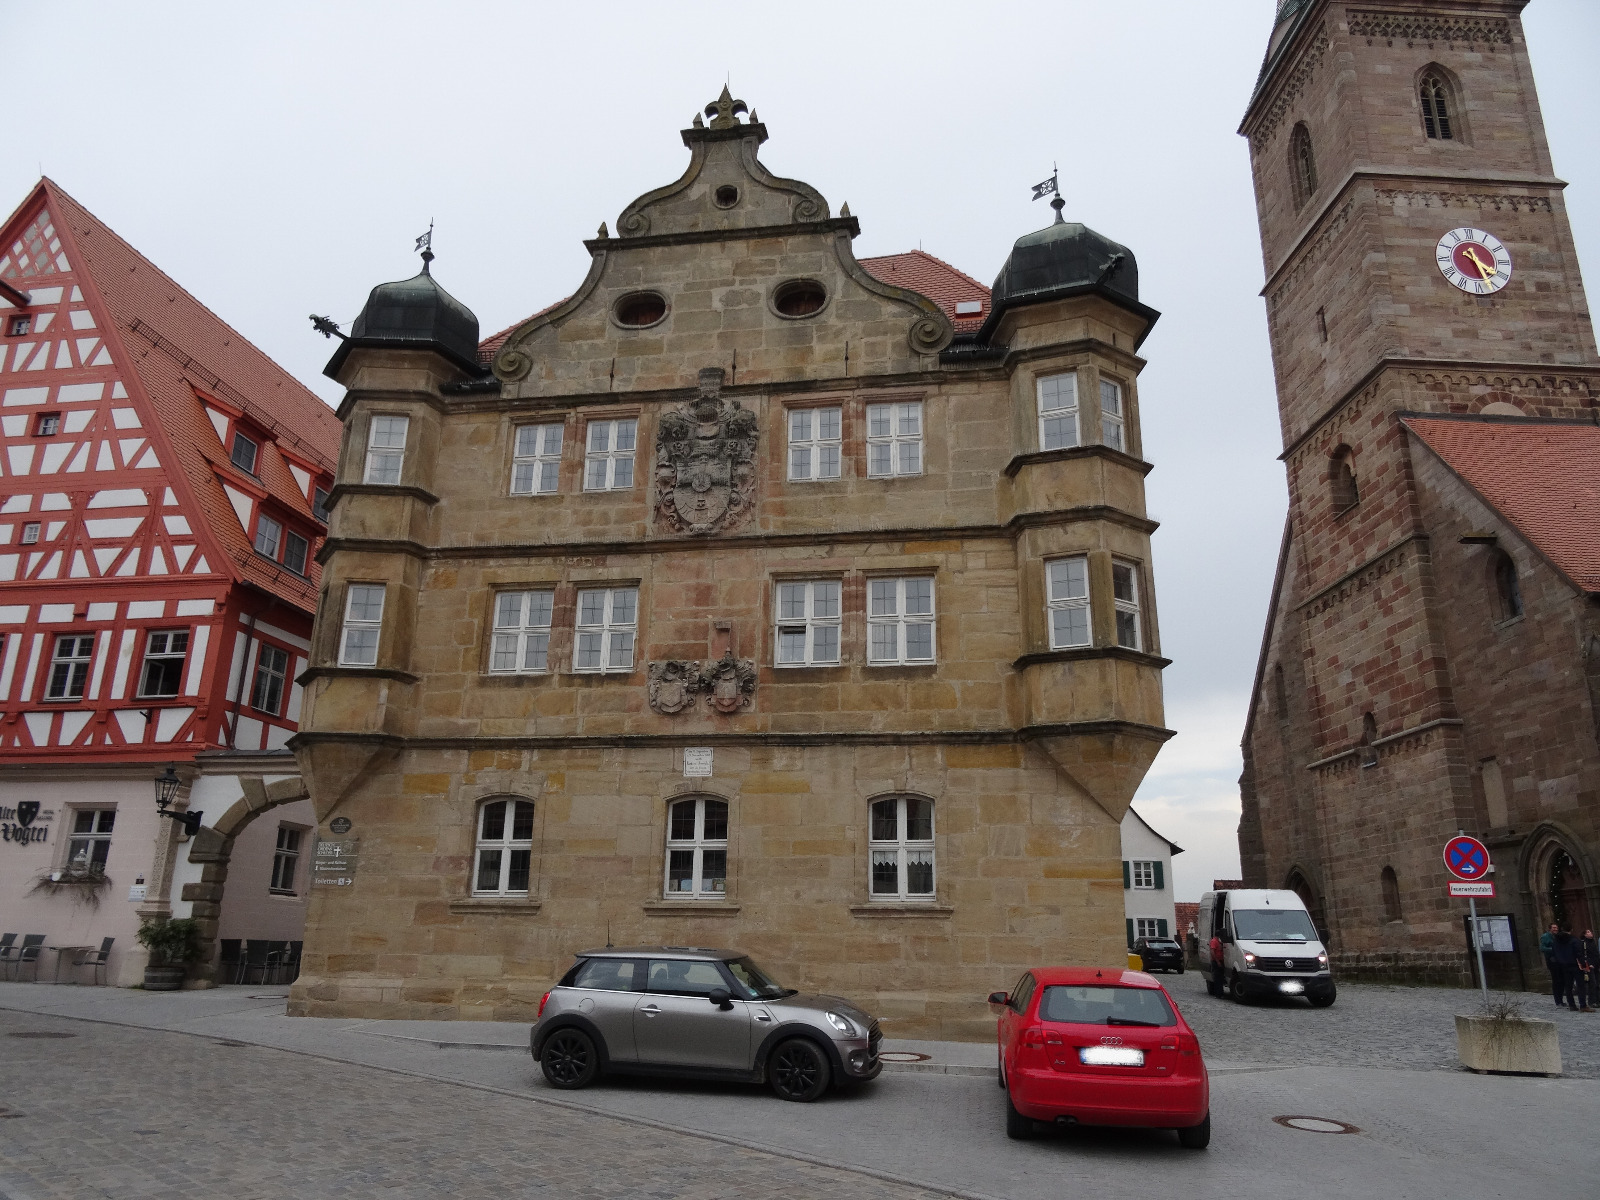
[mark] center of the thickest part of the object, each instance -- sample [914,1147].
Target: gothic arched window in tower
[1507,590]
[1391,896]
[1302,165]
[1342,490]
[1436,107]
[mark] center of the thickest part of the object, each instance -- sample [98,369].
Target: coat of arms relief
[728,684]
[705,461]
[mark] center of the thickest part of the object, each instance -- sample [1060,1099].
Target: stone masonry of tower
[793,625]
[1432,653]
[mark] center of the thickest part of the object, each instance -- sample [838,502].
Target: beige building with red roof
[1432,658]
[753,595]
[163,486]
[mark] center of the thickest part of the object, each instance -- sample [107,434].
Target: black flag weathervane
[1051,187]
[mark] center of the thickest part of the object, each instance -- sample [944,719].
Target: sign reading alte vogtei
[17,824]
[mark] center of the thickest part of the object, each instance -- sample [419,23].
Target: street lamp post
[167,785]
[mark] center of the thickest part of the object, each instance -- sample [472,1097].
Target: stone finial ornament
[724,110]
[705,460]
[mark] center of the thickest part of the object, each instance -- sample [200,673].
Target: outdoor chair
[7,950]
[289,965]
[32,949]
[277,957]
[255,960]
[95,960]
[228,964]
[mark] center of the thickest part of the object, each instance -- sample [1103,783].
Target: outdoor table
[60,952]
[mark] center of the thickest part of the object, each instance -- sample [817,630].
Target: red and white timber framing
[135,624]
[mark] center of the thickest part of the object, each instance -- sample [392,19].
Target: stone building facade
[751,599]
[1432,656]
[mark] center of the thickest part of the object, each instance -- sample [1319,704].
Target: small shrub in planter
[171,943]
[1502,1039]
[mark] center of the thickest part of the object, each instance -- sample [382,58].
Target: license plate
[1291,987]
[1110,1056]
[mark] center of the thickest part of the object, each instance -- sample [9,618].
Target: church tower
[1429,661]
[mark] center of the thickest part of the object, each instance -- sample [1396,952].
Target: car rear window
[1106,1006]
[1161,943]
[604,974]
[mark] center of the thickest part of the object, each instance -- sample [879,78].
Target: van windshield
[1273,925]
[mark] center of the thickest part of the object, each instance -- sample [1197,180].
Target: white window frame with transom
[816,443]
[503,840]
[271,681]
[1058,410]
[1113,416]
[894,439]
[162,649]
[1125,595]
[358,626]
[386,448]
[689,843]
[1066,593]
[520,642]
[90,837]
[536,459]
[286,861]
[615,624]
[896,844]
[70,657]
[607,465]
[807,621]
[901,622]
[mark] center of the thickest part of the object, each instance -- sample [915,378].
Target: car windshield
[757,984]
[1106,1006]
[1273,925]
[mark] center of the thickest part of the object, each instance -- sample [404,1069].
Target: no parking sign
[1466,858]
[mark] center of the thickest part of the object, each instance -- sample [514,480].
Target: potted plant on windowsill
[172,943]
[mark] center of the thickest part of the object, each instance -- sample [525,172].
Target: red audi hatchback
[1088,1046]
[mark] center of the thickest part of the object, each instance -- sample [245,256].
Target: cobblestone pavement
[1369,1025]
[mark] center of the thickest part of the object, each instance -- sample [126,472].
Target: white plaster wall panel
[118,498]
[80,393]
[30,395]
[54,455]
[77,420]
[220,424]
[47,295]
[41,358]
[8,566]
[21,459]
[130,565]
[113,527]
[43,322]
[129,447]
[131,721]
[103,359]
[278,737]
[176,524]
[247,734]
[145,609]
[169,497]
[53,529]
[197,659]
[17,504]
[296,693]
[72,724]
[284,636]
[242,506]
[118,392]
[180,555]
[104,557]
[169,721]
[158,562]
[52,567]
[15,424]
[39,726]
[119,681]
[80,568]
[63,355]
[55,502]
[302,477]
[102,655]
[125,418]
[80,461]
[196,608]
[148,462]
[103,461]
[103,610]
[82,318]
[85,347]
[8,666]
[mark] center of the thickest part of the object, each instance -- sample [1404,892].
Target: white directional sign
[1485,888]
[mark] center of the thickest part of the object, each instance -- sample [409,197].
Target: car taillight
[1188,1044]
[1033,1036]
[1169,1043]
[542,1000]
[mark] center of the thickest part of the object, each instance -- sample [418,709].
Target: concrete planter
[1517,1045]
[163,979]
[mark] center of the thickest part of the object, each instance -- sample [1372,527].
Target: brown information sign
[334,864]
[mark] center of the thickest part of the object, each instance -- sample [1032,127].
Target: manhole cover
[902,1056]
[41,1033]
[1316,1124]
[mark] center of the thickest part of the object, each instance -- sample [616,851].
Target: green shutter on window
[1160,875]
[1161,926]
[1130,927]
[1127,876]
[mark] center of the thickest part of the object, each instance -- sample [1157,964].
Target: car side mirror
[999,998]
[720,997]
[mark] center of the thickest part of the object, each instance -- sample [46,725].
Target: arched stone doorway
[212,848]
[1562,879]
[1298,883]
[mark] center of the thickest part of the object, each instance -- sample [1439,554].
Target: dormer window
[969,308]
[319,504]
[269,536]
[243,454]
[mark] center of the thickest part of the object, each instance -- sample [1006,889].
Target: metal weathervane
[1052,187]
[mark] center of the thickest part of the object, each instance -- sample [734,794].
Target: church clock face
[1474,261]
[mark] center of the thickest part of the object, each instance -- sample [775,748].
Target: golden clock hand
[1485,267]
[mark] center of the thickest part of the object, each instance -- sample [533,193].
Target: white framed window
[900,847]
[164,652]
[1111,414]
[521,642]
[536,460]
[69,667]
[608,455]
[815,444]
[285,861]
[894,439]
[808,622]
[1067,602]
[363,621]
[697,849]
[607,620]
[505,848]
[899,621]
[1058,411]
[269,536]
[30,533]
[243,453]
[272,668]
[386,448]
[1125,592]
[1148,927]
[1144,875]
[90,844]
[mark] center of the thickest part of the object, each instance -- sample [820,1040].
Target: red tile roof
[180,349]
[1543,477]
[933,277]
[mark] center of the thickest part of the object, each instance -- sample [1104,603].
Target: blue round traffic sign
[1466,858]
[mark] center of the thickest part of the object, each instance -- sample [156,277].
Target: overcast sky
[278,160]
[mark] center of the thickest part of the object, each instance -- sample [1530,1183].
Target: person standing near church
[1588,972]
[1547,946]
[1564,960]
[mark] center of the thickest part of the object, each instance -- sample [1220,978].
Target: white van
[1268,946]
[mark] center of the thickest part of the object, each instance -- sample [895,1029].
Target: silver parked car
[710,1014]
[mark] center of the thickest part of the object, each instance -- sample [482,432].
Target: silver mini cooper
[710,1014]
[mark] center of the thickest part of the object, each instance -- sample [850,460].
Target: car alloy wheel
[798,1071]
[569,1060]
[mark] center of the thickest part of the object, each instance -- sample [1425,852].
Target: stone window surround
[345,622]
[506,844]
[540,457]
[369,447]
[1089,372]
[901,845]
[559,655]
[853,633]
[852,432]
[1035,586]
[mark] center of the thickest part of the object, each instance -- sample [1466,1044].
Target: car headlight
[1249,961]
[842,1024]
[1322,961]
